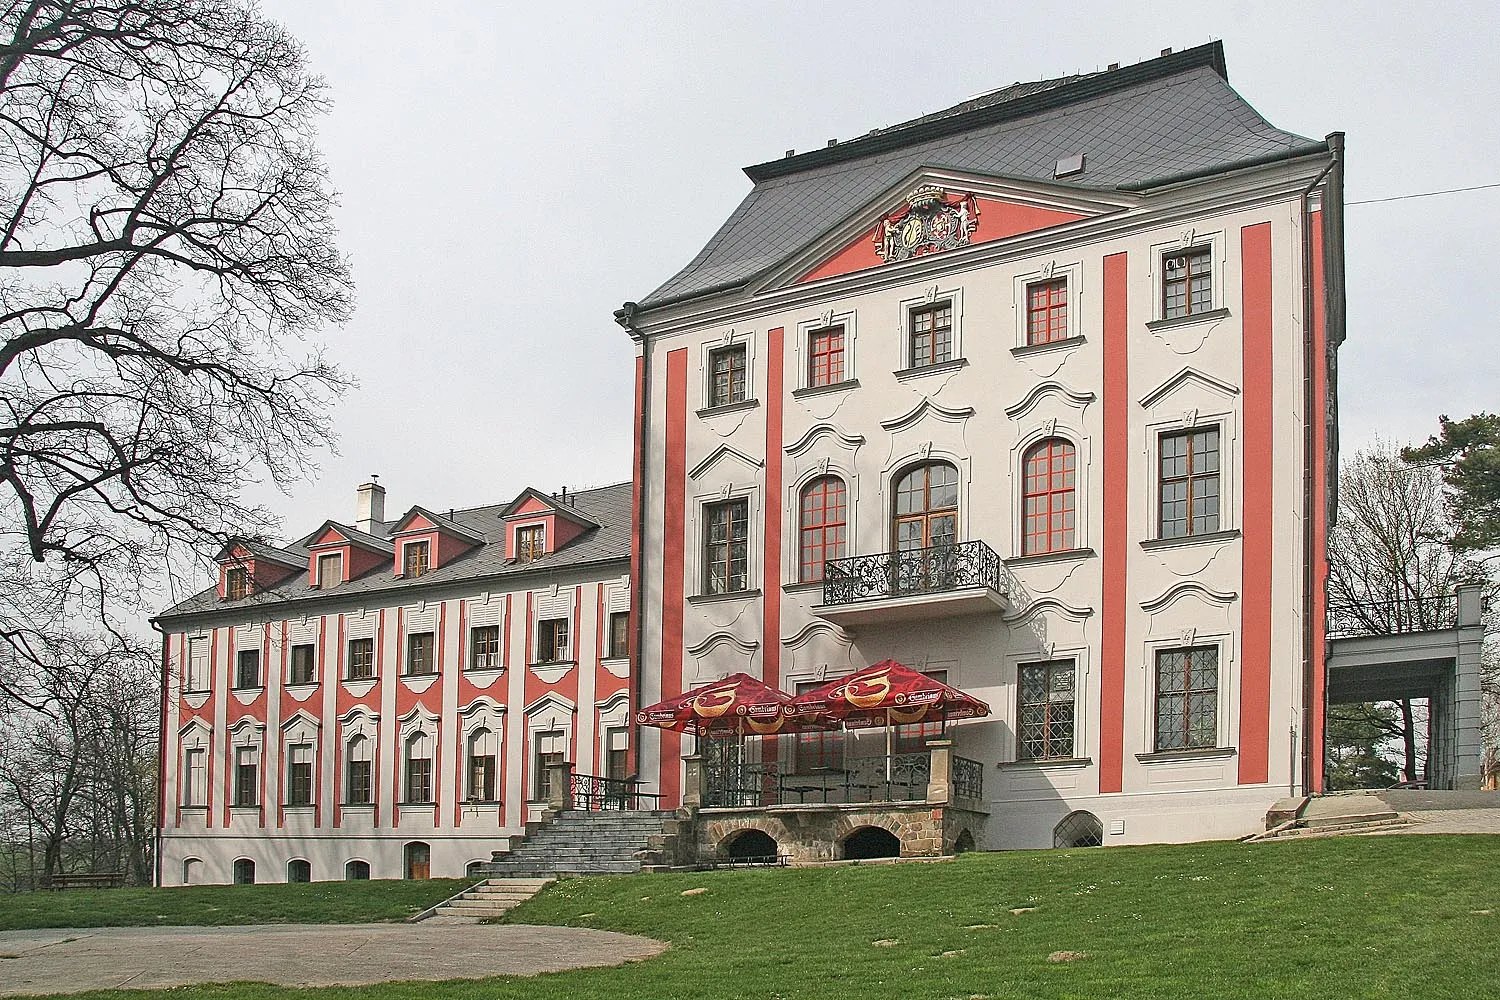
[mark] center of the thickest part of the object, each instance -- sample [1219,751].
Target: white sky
[510,173]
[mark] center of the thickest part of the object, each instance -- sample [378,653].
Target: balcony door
[925,526]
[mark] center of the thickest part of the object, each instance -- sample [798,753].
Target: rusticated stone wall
[809,833]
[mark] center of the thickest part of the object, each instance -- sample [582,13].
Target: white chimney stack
[371,507]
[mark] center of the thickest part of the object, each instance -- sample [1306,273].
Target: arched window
[299,870]
[824,520]
[244,871]
[419,769]
[926,512]
[357,871]
[925,528]
[482,759]
[359,786]
[1078,829]
[1049,502]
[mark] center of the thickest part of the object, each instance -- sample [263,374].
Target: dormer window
[330,571]
[531,542]
[415,558]
[236,583]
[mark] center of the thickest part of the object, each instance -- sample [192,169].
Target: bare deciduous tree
[166,240]
[1391,567]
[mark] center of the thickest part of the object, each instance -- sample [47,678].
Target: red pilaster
[1116,523]
[1257,525]
[674,529]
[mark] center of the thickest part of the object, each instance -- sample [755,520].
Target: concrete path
[72,961]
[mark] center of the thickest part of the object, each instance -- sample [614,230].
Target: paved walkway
[72,961]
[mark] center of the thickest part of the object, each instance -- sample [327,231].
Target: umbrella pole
[887,752]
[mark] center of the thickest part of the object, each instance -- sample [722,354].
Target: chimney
[370,509]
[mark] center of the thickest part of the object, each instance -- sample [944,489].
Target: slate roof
[1167,118]
[607,506]
[262,550]
[353,534]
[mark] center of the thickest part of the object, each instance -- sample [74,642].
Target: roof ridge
[942,123]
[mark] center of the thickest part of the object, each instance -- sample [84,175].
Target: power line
[1424,194]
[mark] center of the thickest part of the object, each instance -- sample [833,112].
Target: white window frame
[430,550]
[1083,451]
[749,493]
[194,797]
[407,739]
[1225,722]
[516,538]
[792,536]
[293,644]
[197,663]
[730,338]
[931,296]
[1218,253]
[323,558]
[1072,273]
[1228,467]
[536,648]
[848,319]
[1079,657]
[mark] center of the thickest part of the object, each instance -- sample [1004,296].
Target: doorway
[418,857]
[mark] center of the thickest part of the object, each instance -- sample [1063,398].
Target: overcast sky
[511,173]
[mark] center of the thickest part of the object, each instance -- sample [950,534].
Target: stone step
[1370,816]
[563,867]
[491,898]
[1334,829]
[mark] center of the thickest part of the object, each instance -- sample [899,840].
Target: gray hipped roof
[1163,119]
[606,506]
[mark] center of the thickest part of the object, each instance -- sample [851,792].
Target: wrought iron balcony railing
[933,570]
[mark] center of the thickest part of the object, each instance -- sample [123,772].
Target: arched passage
[963,843]
[1078,829]
[871,842]
[749,844]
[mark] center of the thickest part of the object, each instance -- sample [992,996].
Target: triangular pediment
[332,533]
[936,211]
[533,502]
[725,453]
[420,519]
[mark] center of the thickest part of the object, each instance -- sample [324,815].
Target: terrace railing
[594,792]
[912,572]
[1397,617]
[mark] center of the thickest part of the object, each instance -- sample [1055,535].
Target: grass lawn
[311,903]
[1339,918]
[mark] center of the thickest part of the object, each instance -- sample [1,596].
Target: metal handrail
[596,793]
[912,572]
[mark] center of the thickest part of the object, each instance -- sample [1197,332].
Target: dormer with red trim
[338,553]
[247,567]
[537,524]
[425,541]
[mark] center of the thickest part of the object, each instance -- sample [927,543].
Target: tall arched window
[359,780]
[925,527]
[482,761]
[419,768]
[824,520]
[926,511]
[1049,497]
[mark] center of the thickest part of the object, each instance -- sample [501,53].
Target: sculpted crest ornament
[932,220]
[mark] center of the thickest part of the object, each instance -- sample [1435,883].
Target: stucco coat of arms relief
[932,220]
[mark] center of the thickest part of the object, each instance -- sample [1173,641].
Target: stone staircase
[1333,816]
[489,898]
[579,842]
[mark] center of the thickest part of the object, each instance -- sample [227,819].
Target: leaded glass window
[1046,711]
[1187,698]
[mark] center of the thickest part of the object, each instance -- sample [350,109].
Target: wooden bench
[90,880]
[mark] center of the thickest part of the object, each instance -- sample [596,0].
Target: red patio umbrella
[885,693]
[732,706]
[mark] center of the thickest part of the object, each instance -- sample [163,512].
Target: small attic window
[1068,165]
[236,583]
[531,542]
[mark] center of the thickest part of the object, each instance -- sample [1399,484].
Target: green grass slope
[217,905]
[1341,918]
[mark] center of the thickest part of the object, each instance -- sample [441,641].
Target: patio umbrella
[732,706]
[885,694]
